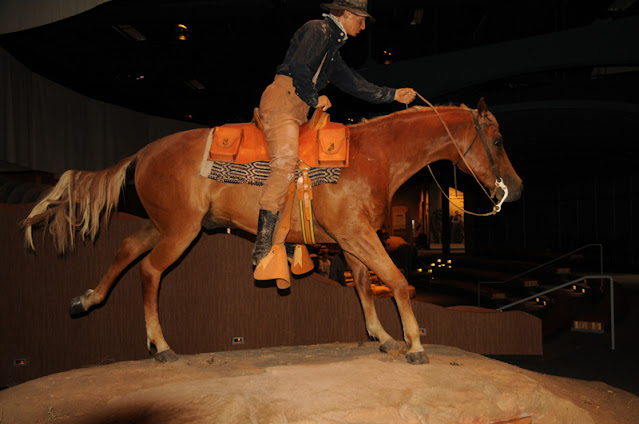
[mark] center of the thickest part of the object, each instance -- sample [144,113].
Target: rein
[499,182]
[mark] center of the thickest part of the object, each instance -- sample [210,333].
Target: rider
[311,60]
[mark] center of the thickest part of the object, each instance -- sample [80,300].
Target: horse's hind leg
[362,280]
[130,249]
[166,252]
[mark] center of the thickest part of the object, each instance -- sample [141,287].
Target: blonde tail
[77,202]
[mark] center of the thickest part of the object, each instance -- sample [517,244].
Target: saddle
[323,144]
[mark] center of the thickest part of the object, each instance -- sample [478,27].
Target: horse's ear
[482,108]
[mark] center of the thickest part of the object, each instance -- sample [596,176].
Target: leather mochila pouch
[245,143]
[333,146]
[226,143]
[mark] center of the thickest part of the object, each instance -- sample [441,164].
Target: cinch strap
[305,196]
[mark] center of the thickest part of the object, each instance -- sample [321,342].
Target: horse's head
[483,152]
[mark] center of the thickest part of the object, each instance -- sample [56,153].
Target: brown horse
[384,151]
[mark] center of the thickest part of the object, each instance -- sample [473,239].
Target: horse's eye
[498,141]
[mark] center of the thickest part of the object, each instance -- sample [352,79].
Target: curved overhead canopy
[601,44]
[19,15]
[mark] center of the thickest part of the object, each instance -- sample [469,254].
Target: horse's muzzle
[515,188]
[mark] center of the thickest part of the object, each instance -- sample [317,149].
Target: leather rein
[499,182]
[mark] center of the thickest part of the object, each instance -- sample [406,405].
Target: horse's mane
[412,109]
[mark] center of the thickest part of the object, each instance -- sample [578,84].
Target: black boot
[266,222]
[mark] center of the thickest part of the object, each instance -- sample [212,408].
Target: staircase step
[588,326]
[592,322]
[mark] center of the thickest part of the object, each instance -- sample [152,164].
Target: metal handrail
[541,266]
[612,299]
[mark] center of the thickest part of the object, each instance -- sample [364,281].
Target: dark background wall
[560,216]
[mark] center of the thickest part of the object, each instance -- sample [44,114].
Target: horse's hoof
[76,309]
[166,356]
[389,346]
[417,358]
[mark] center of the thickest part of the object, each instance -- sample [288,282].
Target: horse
[384,153]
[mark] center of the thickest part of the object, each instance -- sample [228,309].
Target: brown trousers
[282,112]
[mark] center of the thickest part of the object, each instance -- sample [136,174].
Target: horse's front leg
[369,249]
[362,280]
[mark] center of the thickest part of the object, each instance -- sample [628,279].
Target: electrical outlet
[238,340]
[422,332]
[20,362]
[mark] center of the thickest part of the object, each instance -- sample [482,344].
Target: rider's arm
[354,84]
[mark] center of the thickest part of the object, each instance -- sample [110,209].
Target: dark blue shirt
[305,53]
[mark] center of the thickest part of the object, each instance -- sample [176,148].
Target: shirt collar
[336,22]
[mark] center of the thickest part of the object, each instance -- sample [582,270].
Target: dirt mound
[334,383]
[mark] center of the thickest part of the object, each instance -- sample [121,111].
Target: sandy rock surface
[332,383]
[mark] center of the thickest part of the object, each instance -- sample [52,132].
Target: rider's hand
[323,102]
[405,95]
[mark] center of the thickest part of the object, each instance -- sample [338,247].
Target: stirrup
[302,262]
[274,267]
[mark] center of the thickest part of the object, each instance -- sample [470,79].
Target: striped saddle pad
[256,173]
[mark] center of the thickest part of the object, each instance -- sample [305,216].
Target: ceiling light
[182,31]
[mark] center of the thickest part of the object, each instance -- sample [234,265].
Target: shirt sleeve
[313,45]
[354,84]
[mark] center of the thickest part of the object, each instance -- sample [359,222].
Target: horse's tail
[77,202]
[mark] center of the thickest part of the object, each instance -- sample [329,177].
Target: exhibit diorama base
[328,383]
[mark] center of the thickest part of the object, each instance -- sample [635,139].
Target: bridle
[479,132]
[499,182]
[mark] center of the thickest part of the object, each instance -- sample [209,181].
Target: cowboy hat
[356,7]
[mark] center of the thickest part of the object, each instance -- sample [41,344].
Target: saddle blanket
[256,173]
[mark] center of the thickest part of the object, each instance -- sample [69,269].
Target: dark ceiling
[213,68]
